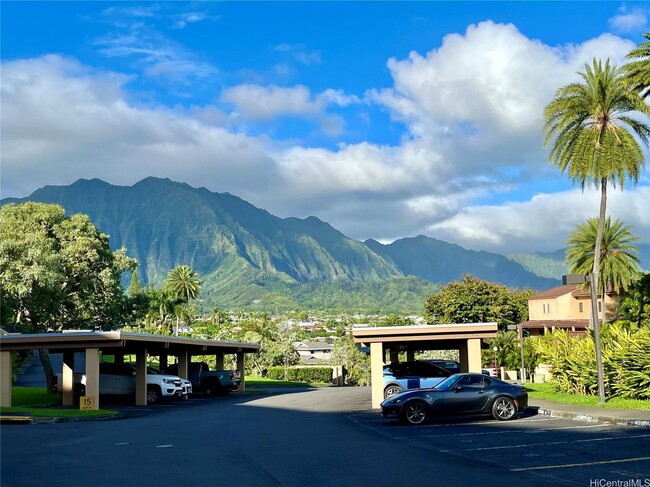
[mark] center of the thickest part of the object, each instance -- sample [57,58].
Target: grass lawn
[264,382]
[36,402]
[547,392]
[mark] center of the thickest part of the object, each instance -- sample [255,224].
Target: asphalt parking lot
[564,450]
[323,438]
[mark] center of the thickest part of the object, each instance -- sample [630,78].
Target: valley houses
[566,307]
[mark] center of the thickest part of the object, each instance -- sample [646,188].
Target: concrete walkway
[629,417]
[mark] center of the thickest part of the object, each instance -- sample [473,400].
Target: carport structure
[117,344]
[466,338]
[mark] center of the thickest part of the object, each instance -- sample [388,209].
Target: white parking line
[503,432]
[121,444]
[607,438]
[164,446]
[568,465]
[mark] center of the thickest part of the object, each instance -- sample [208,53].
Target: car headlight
[168,381]
[393,402]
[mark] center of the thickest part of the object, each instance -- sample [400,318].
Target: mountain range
[250,259]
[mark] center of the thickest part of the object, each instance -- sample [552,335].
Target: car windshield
[448,383]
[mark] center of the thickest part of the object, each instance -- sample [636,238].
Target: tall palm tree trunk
[599,243]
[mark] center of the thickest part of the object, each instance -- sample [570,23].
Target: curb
[15,419]
[593,418]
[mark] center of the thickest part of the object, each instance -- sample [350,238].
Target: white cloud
[133,37]
[62,121]
[629,20]
[544,222]
[472,118]
[300,53]
[257,102]
[253,102]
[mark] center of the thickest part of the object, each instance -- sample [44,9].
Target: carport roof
[123,342]
[425,333]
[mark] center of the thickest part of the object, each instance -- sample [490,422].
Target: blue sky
[385,119]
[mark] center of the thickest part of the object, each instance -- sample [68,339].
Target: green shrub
[302,374]
[626,361]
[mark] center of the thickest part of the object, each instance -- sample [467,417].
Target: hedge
[302,374]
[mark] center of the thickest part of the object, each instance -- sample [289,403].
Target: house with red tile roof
[566,307]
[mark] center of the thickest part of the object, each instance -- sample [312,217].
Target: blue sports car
[457,395]
[401,376]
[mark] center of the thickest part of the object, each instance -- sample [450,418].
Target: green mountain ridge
[248,258]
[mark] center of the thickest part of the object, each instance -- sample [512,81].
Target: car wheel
[503,408]
[414,412]
[153,395]
[212,388]
[391,390]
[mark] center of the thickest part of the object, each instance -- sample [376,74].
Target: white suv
[119,379]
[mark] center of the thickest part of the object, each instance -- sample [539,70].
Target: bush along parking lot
[320,375]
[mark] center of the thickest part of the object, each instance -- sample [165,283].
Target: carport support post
[377,373]
[92,374]
[474,355]
[67,379]
[5,379]
[394,356]
[162,361]
[219,356]
[183,364]
[141,378]
[240,367]
[470,355]
[410,355]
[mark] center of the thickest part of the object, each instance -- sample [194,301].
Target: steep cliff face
[247,257]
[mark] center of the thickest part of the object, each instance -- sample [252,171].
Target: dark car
[459,394]
[401,376]
[451,365]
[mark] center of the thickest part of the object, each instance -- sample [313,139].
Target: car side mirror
[458,388]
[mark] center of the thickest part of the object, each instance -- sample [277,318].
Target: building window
[580,307]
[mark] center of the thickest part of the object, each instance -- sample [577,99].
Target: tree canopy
[56,271]
[619,259]
[637,71]
[473,300]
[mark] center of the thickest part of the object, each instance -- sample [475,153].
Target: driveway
[322,437]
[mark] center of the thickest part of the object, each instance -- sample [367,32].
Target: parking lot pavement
[570,452]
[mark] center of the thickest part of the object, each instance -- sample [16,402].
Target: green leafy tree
[619,259]
[473,300]
[135,287]
[508,354]
[394,320]
[636,307]
[590,129]
[357,364]
[57,272]
[637,71]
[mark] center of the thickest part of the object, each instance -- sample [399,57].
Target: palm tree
[619,258]
[637,72]
[183,283]
[589,123]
